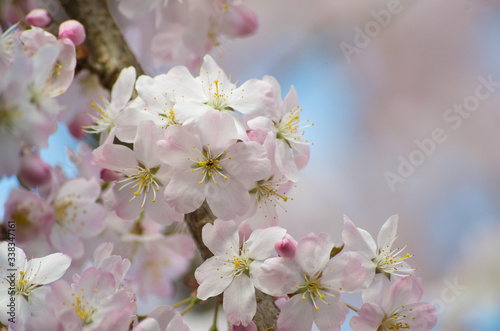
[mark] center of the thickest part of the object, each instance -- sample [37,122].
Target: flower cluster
[166,147]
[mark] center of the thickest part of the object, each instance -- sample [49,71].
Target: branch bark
[108,50]
[108,55]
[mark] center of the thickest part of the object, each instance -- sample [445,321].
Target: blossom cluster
[164,147]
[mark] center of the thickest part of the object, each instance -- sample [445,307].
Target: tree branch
[108,50]
[108,55]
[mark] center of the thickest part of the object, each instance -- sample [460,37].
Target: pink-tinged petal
[404,291]
[228,199]
[10,147]
[66,242]
[261,123]
[260,245]
[217,130]
[148,134]
[114,157]
[210,72]
[250,327]
[239,301]
[124,205]
[183,193]
[369,319]
[290,101]
[102,252]
[42,323]
[149,324]
[248,163]
[189,112]
[150,91]
[254,97]
[177,324]
[313,252]
[296,315]
[424,313]
[329,317]
[47,269]
[221,237]
[278,276]
[80,190]
[126,121]
[130,9]
[284,160]
[286,247]
[355,241]
[181,86]
[213,278]
[388,232]
[122,89]
[345,272]
[375,293]
[163,314]
[161,212]
[180,148]
[89,221]
[301,154]
[119,319]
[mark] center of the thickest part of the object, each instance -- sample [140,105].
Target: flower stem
[191,305]
[214,325]
[351,307]
[183,302]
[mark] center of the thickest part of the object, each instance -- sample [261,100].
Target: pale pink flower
[212,166]
[62,71]
[144,176]
[380,257]
[31,214]
[77,216]
[106,113]
[213,89]
[115,264]
[395,306]
[162,318]
[316,282]
[29,280]
[291,152]
[92,303]
[231,270]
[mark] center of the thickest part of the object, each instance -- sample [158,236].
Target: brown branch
[108,50]
[108,55]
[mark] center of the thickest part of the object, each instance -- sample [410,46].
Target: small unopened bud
[72,30]
[110,175]
[33,171]
[38,17]
[286,246]
[242,21]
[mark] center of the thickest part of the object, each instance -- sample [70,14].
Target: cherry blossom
[315,281]
[378,258]
[211,166]
[143,172]
[395,306]
[162,318]
[231,270]
[30,279]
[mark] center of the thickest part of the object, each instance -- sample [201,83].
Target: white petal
[122,89]
[48,269]
[239,301]
[313,252]
[221,237]
[212,277]
[183,193]
[296,315]
[260,245]
[388,232]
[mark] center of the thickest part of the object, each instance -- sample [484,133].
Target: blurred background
[405,102]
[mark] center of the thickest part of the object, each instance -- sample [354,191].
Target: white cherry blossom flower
[25,281]
[231,269]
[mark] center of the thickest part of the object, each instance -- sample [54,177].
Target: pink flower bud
[38,17]
[286,246]
[72,30]
[250,327]
[33,171]
[110,175]
[242,21]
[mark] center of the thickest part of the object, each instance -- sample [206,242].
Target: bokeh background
[369,108]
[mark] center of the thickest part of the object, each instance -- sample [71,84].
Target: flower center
[85,313]
[289,128]
[389,261]
[314,289]
[102,117]
[8,117]
[143,180]
[23,285]
[209,166]
[393,322]
[217,98]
